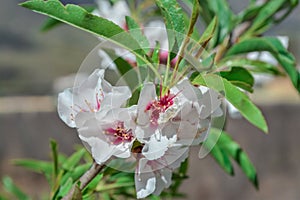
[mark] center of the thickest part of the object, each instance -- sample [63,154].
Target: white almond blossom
[154,112]
[155,167]
[110,133]
[91,96]
[167,126]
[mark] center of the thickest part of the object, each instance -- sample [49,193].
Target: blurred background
[32,63]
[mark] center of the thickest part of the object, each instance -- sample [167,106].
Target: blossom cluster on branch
[157,132]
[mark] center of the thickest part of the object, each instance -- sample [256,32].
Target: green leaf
[236,97]
[222,158]
[136,32]
[226,146]
[175,24]
[209,31]
[155,54]
[78,17]
[64,189]
[93,184]
[35,165]
[225,16]
[252,65]
[10,187]
[272,45]
[236,152]
[76,173]
[205,13]
[194,17]
[51,23]
[240,77]
[53,145]
[73,160]
[267,11]
[249,13]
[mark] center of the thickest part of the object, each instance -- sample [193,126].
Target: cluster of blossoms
[157,132]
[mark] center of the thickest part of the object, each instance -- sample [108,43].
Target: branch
[85,179]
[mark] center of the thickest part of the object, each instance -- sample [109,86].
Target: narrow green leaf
[35,165]
[249,13]
[252,65]
[77,16]
[209,31]
[76,173]
[222,159]
[272,45]
[175,24]
[267,11]
[92,185]
[233,149]
[194,17]
[225,16]
[205,13]
[51,23]
[73,160]
[53,145]
[236,97]
[136,32]
[240,77]
[155,54]
[64,189]
[10,187]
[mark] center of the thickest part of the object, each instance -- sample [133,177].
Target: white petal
[65,112]
[147,95]
[211,102]
[101,151]
[163,180]
[117,97]
[156,147]
[185,90]
[144,179]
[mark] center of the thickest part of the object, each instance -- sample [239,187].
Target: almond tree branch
[85,179]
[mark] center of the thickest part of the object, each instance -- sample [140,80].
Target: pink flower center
[159,106]
[119,134]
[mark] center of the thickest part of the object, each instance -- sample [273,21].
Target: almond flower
[158,161]
[109,133]
[154,111]
[167,126]
[90,97]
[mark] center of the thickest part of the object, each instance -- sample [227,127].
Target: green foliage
[78,17]
[226,149]
[10,187]
[272,45]
[51,23]
[136,32]
[239,77]
[174,20]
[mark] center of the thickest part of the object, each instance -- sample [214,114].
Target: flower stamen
[119,134]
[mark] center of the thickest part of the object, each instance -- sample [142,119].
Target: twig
[85,179]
